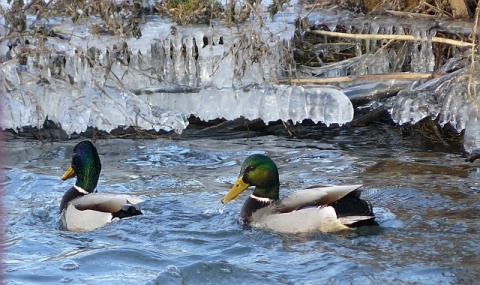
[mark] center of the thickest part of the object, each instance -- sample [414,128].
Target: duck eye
[250,168]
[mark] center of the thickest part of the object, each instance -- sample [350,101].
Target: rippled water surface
[427,202]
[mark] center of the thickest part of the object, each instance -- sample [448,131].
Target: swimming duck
[83,210]
[317,208]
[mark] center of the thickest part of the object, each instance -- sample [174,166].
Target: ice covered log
[318,103]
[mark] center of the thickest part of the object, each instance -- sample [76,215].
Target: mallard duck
[83,210]
[317,208]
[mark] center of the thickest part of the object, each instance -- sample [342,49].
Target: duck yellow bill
[70,173]
[238,188]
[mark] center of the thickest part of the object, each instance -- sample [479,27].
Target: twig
[149,91]
[290,134]
[395,37]
[413,15]
[367,119]
[471,80]
[473,157]
[405,76]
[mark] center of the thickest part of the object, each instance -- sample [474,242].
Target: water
[426,199]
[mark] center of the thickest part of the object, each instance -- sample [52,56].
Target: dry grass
[186,12]
[435,8]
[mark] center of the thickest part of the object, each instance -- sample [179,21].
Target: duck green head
[85,165]
[260,171]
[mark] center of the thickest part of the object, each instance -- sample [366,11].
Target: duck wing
[353,211]
[104,202]
[314,196]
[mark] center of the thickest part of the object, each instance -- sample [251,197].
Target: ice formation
[76,108]
[106,83]
[320,104]
[221,72]
[446,98]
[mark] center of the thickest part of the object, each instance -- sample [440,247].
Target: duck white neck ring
[81,190]
[261,199]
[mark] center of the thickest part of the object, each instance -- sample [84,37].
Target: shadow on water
[426,202]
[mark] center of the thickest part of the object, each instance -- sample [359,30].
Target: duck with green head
[317,208]
[81,208]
